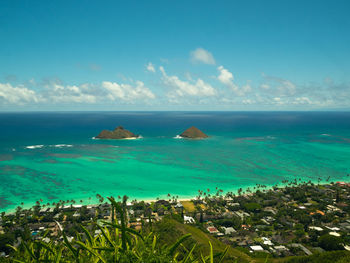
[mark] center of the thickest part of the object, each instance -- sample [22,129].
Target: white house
[256,248]
[229,230]
[189,220]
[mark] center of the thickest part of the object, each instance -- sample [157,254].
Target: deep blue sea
[53,156]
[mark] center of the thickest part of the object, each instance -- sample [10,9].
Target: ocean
[52,155]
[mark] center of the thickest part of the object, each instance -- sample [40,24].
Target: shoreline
[89,201]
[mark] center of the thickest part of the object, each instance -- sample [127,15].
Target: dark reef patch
[65,155]
[6,157]
[5,202]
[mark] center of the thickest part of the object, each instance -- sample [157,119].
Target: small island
[118,133]
[193,133]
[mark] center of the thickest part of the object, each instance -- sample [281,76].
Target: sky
[174,55]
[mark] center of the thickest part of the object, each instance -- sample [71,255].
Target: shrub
[329,242]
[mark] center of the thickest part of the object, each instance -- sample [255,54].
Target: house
[231,203]
[178,206]
[304,249]
[334,234]
[345,226]
[46,240]
[57,216]
[332,208]
[246,227]
[269,219]
[76,214]
[281,248]
[189,220]
[228,214]
[346,247]
[333,228]
[317,228]
[97,232]
[256,248]
[267,241]
[270,210]
[241,214]
[212,230]
[265,221]
[43,210]
[229,230]
[317,212]
[162,202]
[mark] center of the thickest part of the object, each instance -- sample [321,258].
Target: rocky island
[118,133]
[193,133]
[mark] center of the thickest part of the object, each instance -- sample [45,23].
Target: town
[295,219]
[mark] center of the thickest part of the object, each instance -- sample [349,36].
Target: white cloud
[226,78]
[18,95]
[201,55]
[184,88]
[247,87]
[150,67]
[278,86]
[127,92]
[271,93]
[65,94]
[248,101]
[302,100]
[287,86]
[278,101]
[264,86]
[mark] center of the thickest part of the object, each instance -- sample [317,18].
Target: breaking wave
[34,146]
[61,145]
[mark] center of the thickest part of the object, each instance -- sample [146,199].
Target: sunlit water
[53,156]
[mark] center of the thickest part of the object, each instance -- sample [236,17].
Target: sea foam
[34,146]
[61,145]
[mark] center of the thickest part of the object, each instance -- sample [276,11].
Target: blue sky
[174,55]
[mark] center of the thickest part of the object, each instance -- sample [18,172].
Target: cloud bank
[220,90]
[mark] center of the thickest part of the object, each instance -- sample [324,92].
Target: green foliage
[326,257]
[252,207]
[116,243]
[329,242]
[7,238]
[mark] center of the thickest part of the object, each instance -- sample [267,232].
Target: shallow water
[52,156]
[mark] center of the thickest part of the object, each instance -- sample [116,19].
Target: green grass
[170,229]
[189,206]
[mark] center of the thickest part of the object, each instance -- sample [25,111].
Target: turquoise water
[244,149]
